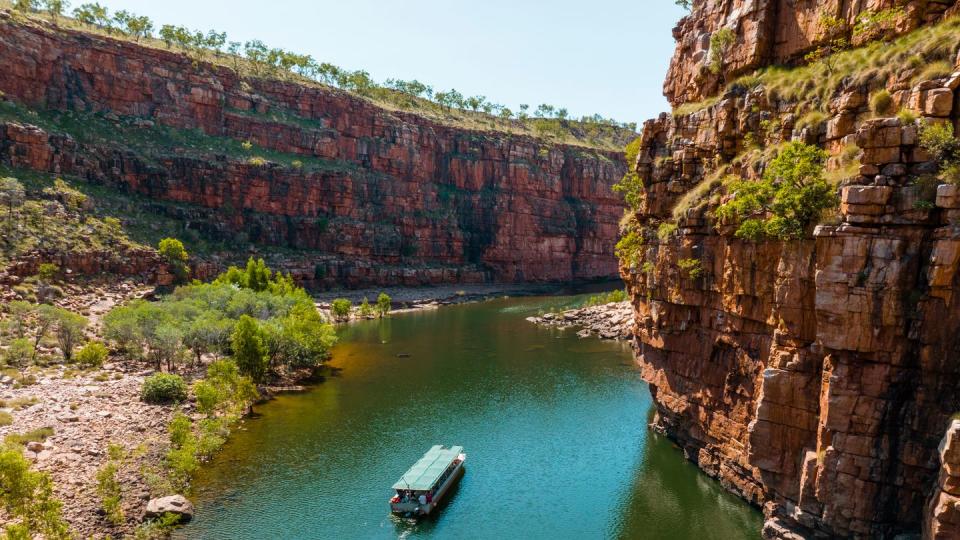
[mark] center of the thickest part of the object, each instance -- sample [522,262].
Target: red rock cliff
[814,377]
[770,32]
[403,200]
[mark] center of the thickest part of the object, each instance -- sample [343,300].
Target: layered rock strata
[813,377]
[774,32]
[382,197]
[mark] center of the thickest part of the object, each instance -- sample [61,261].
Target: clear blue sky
[601,56]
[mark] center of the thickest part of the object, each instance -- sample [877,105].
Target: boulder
[171,504]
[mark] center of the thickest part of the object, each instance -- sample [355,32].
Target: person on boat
[423,500]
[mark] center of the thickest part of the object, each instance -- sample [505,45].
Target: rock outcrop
[813,377]
[382,197]
[771,32]
[607,321]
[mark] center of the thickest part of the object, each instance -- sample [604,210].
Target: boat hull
[416,509]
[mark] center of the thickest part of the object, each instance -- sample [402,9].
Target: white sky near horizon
[606,56]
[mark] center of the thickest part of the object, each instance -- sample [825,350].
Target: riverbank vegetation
[253,59]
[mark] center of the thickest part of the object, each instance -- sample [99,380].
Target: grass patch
[18,403]
[21,439]
[871,65]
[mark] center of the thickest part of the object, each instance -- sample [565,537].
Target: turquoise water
[554,428]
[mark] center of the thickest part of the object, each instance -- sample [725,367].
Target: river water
[554,429]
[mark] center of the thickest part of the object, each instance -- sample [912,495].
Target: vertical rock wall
[813,377]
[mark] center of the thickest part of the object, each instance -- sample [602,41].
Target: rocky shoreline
[607,321]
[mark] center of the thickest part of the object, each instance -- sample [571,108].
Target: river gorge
[548,421]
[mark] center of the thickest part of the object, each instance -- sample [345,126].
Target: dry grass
[871,65]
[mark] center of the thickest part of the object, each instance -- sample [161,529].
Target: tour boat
[421,488]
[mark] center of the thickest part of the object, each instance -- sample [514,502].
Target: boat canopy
[428,469]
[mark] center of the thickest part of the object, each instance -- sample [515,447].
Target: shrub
[629,247]
[5,418]
[249,351]
[224,389]
[48,272]
[939,141]
[792,195]
[163,388]
[907,116]
[666,230]
[631,185]
[618,295]
[109,491]
[257,161]
[366,310]
[19,353]
[92,354]
[881,102]
[173,252]
[691,267]
[383,304]
[340,309]
[28,501]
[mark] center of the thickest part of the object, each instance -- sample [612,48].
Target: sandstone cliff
[363,195]
[814,377]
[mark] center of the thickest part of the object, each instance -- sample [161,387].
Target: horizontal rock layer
[405,201]
[813,377]
[771,32]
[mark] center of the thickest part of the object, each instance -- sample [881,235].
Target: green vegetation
[249,350]
[383,304]
[281,328]
[881,102]
[108,486]
[631,185]
[5,418]
[691,267]
[366,311]
[57,219]
[254,59]
[21,439]
[720,43]
[163,388]
[629,247]
[871,65]
[340,309]
[618,295]
[666,230]
[27,499]
[791,196]
[173,252]
[224,390]
[92,354]
[938,139]
[32,325]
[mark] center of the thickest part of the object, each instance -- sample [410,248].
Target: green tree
[791,196]
[56,8]
[69,331]
[92,13]
[383,304]
[25,6]
[249,351]
[224,389]
[685,4]
[122,327]
[173,252]
[165,343]
[340,309]
[720,43]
